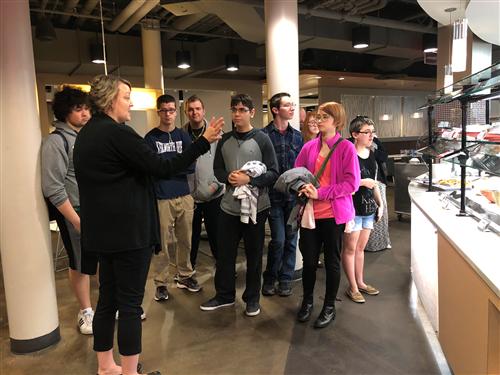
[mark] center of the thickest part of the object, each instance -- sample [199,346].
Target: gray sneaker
[190,284]
[285,290]
[252,309]
[214,304]
[268,290]
[161,293]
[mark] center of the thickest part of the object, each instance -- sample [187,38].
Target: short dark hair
[67,100]
[275,101]
[192,99]
[165,98]
[358,122]
[244,99]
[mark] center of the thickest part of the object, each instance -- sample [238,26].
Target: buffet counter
[456,269]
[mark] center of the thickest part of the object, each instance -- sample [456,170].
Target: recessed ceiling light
[317,77]
[341,78]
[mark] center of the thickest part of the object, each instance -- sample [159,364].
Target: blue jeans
[282,247]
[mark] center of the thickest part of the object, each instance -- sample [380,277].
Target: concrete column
[24,228]
[282,50]
[153,66]
[282,59]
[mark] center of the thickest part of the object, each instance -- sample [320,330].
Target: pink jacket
[345,175]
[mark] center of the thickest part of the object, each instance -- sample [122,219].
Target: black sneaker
[268,290]
[190,284]
[214,304]
[285,290]
[161,293]
[253,309]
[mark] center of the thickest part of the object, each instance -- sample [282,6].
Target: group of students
[121,197]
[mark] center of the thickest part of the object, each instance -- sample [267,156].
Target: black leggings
[328,235]
[122,278]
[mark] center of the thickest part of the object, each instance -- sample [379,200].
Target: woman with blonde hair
[309,127]
[334,163]
[119,217]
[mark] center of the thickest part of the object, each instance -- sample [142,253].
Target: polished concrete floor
[383,336]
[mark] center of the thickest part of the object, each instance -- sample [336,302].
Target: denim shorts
[363,222]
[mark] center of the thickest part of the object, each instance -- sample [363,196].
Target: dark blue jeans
[282,247]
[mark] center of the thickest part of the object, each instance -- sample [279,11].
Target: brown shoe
[370,290]
[355,297]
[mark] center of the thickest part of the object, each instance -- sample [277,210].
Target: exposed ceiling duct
[138,15]
[69,6]
[182,23]
[87,9]
[125,14]
[250,26]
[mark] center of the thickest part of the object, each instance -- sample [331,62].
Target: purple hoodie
[345,175]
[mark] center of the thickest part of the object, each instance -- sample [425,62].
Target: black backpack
[54,213]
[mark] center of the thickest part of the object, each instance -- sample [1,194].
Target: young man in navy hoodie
[175,204]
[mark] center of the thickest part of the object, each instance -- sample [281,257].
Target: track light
[361,37]
[429,43]
[232,62]
[183,59]
[97,53]
[44,30]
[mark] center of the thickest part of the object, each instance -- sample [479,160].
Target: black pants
[210,212]
[329,235]
[231,230]
[122,278]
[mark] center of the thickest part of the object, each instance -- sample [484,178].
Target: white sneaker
[85,322]
[143,316]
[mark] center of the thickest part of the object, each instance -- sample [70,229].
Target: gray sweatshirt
[58,172]
[233,151]
[203,184]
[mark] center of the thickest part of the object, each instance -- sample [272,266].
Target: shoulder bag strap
[323,166]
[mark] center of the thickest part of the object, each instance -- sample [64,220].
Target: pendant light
[44,30]
[448,70]
[360,37]
[459,54]
[429,43]
[232,62]
[183,58]
[97,53]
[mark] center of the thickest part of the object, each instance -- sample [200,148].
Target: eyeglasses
[239,110]
[289,105]
[169,111]
[369,132]
[320,118]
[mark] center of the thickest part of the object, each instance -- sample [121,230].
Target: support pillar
[282,50]
[282,60]
[25,243]
[153,66]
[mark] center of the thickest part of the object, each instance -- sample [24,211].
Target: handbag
[302,200]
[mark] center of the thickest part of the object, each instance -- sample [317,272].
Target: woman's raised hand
[214,129]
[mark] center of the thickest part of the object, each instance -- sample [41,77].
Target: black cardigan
[114,169]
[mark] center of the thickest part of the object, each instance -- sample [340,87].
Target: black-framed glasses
[239,110]
[169,111]
[369,132]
